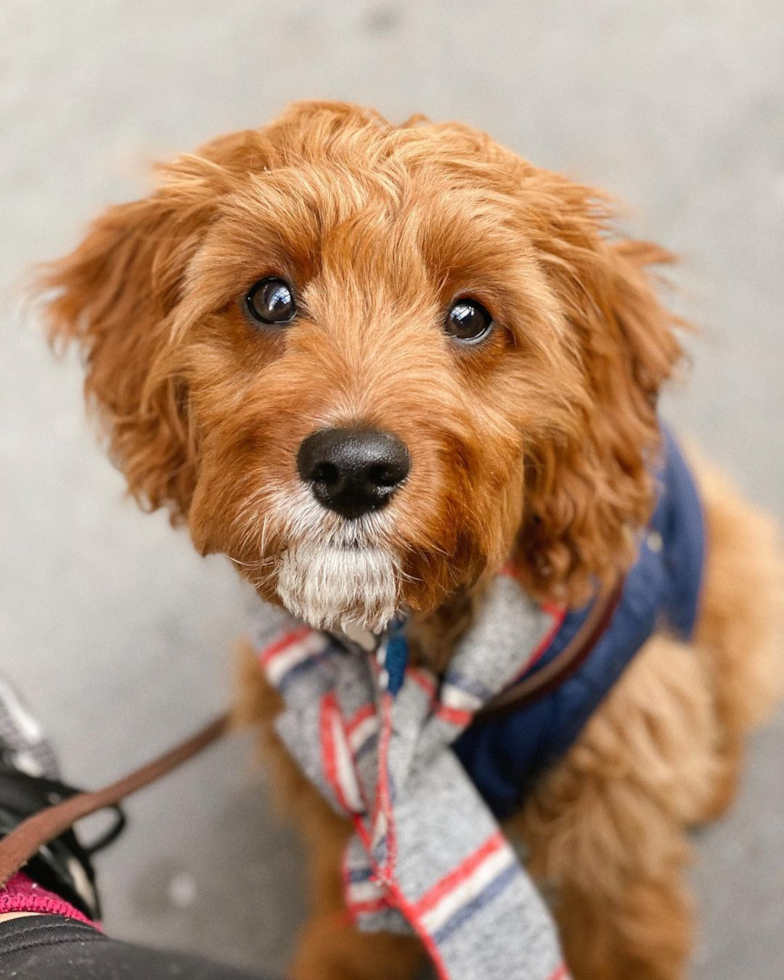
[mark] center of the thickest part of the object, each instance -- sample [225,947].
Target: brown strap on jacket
[534,686]
[23,842]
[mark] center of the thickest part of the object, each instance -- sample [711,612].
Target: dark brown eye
[468,321]
[271,300]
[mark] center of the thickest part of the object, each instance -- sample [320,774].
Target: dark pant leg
[50,947]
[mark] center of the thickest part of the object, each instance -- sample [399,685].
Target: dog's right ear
[116,295]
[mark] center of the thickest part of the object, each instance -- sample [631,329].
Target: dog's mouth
[340,585]
[329,571]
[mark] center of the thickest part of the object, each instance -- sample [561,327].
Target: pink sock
[22,894]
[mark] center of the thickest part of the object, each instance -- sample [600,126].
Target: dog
[374,365]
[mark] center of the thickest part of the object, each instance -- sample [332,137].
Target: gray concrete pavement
[117,631]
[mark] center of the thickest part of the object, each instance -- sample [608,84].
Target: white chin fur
[328,586]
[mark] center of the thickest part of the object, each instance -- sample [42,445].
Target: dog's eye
[271,300]
[468,321]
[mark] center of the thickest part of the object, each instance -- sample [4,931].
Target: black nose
[353,471]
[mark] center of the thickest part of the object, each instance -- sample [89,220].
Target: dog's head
[371,363]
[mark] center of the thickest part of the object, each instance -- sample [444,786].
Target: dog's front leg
[619,919]
[330,947]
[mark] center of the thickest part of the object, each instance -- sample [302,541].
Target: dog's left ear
[113,296]
[116,297]
[589,492]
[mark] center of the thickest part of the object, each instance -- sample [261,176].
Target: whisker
[236,561]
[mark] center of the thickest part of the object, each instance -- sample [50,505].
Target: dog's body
[439,364]
[607,830]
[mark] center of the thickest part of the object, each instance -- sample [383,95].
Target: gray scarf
[374,736]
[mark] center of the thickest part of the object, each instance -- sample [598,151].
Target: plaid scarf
[374,735]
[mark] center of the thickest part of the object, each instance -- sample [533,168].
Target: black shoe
[29,783]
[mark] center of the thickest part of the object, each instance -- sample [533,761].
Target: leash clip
[392,656]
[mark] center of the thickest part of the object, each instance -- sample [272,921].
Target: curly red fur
[381,225]
[535,447]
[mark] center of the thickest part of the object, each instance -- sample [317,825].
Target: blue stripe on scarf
[357,875]
[471,685]
[488,893]
[304,666]
[368,744]
[301,668]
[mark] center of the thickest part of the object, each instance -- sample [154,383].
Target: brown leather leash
[23,842]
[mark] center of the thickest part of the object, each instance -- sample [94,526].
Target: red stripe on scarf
[460,873]
[362,715]
[375,905]
[383,799]
[455,716]
[423,680]
[283,644]
[327,715]
[559,615]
